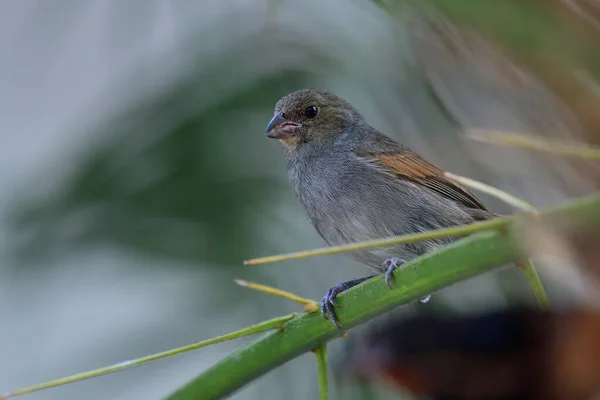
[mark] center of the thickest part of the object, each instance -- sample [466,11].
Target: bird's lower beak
[281,127]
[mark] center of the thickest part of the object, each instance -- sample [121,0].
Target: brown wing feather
[409,165]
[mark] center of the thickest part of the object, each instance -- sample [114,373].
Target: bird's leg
[328,301]
[389,266]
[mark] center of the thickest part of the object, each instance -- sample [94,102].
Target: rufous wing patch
[409,165]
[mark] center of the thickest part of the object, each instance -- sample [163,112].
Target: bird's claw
[389,266]
[328,304]
[392,264]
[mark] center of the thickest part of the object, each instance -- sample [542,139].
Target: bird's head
[310,116]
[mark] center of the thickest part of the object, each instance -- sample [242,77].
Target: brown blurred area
[560,66]
[517,353]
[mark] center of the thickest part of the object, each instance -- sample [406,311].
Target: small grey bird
[357,184]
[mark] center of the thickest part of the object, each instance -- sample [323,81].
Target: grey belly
[346,220]
[334,235]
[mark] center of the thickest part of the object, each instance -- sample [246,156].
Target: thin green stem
[309,305]
[493,191]
[536,283]
[528,267]
[274,323]
[369,244]
[554,146]
[321,355]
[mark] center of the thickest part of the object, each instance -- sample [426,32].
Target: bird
[355,183]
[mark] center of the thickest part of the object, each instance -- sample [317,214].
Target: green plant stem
[462,230]
[274,323]
[528,267]
[321,355]
[493,191]
[536,284]
[553,146]
[309,305]
[455,262]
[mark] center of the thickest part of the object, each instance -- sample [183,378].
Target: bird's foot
[328,302]
[389,266]
[392,264]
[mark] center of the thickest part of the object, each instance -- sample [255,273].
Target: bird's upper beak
[281,127]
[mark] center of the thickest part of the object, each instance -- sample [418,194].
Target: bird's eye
[311,112]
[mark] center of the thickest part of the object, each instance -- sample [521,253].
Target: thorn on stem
[240,282]
[311,307]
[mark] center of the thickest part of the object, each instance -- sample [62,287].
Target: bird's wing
[406,164]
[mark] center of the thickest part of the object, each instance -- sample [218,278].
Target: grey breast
[349,199]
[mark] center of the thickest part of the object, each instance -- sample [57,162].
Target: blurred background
[136,174]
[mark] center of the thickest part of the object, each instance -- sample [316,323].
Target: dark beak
[280,127]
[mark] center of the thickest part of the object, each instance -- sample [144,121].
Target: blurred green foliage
[155,183]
